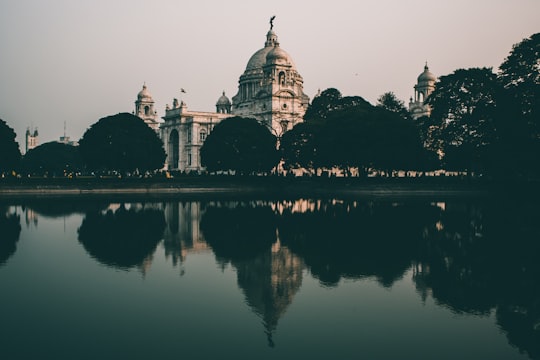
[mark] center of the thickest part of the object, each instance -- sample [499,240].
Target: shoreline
[251,187]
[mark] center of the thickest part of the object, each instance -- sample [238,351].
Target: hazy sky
[80,60]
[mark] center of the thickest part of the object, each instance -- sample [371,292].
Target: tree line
[481,123]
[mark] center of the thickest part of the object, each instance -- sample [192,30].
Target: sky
[74,62]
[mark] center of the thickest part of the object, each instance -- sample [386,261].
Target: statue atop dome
[272,22]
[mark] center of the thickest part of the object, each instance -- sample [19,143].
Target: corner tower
[144,108]
[271,90]
[424,87]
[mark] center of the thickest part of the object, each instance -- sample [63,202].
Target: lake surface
[288,279]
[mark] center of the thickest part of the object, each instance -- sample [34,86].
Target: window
[173,150]
[202,136]
[189,158]
[188,135]
[282,78]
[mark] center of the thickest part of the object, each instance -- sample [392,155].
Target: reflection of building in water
[270,282]
[309,205]
[30,217]
[182,234]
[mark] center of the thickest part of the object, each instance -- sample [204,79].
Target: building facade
[270,90]
[183,133]
[423,88]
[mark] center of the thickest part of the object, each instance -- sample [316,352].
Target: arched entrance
[174,148]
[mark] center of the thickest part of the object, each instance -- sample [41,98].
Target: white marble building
[270,90]
[183,133]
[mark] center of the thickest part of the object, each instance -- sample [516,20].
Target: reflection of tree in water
[239,233]
[10,229]
[484,257]
[355,240]
[124,238]
[268,273]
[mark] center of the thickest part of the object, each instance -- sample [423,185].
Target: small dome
[144,94]
[426,76]
[277,54]
[223,100]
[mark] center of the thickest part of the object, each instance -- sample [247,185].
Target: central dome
[258,60]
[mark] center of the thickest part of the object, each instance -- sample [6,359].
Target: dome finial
[272,22]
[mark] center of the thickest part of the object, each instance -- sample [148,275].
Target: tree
[520,76]
[519,110]
[122,142]
[52,158]
[298,146]
[324,103]
[240,144]
[348,132]
[463,109]
[9,149]
[371,137]
[390,102]
[331,100]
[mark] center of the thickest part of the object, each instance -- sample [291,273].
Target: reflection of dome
[223,100]
[144,94]
[426,75]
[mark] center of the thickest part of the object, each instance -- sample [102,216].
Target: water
[295,279]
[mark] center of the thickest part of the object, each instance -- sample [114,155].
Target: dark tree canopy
[9,149]
[52,158]
[520,75]
[370,137]
[390,102]
[298,146]
[519,111]
[324,103]
[463,111]
[348,132]
[240,144]
[331,100]
[122,142]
